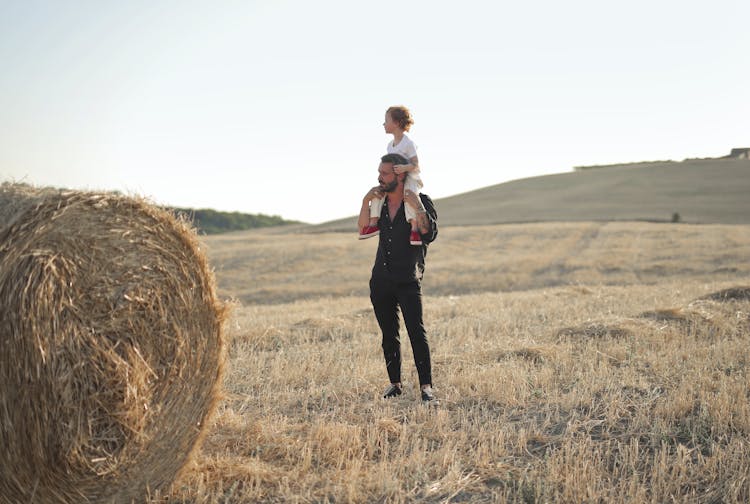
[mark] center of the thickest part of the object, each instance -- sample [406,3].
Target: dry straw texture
[563,395]
[111,346]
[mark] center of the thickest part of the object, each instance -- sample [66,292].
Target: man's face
[387,177]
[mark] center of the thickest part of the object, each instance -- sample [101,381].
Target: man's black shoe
[427,394]
[392,391]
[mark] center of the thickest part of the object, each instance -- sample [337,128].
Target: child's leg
[376,207]
[372,227]
[414,238]
[411,212]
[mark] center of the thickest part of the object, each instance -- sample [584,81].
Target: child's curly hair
[401,115]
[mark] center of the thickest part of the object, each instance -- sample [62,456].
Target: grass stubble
[595,389]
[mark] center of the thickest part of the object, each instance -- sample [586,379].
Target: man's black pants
[387,296]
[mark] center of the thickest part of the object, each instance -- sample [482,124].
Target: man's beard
[389,188]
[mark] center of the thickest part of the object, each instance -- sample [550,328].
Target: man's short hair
[394,159]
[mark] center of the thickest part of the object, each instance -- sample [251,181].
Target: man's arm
[423,222]
[426,224]
[364,212]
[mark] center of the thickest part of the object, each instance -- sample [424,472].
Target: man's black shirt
[397,258]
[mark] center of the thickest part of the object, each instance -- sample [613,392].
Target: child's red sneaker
[369,232]
[415,238]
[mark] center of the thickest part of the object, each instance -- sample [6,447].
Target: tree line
[209,221]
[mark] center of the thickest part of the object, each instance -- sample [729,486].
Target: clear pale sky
[277,106]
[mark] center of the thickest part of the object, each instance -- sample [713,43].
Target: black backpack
[431,210]
[428,205]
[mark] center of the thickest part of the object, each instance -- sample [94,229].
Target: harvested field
[573,363]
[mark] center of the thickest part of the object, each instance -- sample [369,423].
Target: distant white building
[741,153]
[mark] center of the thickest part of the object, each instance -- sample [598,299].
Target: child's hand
[399,169]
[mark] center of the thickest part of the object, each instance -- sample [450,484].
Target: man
[397,273]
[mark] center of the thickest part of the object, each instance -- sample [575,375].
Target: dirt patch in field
[535,355]
[594,330]
[731,294]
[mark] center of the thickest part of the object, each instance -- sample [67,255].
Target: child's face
[390,125]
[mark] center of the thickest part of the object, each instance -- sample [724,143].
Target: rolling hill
[701,191]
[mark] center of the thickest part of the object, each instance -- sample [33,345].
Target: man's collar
[385,207]
[386,199]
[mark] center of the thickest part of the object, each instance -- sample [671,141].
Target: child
[398,120]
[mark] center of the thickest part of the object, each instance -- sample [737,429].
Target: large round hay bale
[111,347]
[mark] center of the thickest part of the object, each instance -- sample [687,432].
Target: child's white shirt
[408,149]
